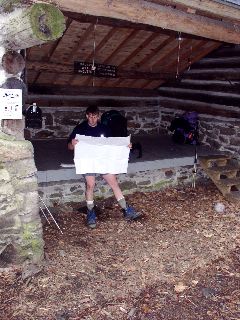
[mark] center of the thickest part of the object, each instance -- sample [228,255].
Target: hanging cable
[94,52]
[190,57]
[178,55]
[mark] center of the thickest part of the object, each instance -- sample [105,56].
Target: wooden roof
[146,55]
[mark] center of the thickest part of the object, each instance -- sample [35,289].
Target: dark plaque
[97,70]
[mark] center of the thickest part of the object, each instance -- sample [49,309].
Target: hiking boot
[91,219]
[130,213]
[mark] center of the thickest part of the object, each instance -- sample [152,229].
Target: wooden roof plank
[195,57]
[155,52]
[142,45]
[99,46]
[132,34]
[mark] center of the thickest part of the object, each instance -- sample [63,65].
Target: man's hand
[72,144]
[130,146]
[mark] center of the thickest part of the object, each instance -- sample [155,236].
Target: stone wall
[58,122]
[143,118]
[58,192]
[221,134]
[20,225]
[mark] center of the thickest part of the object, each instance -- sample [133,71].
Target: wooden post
[30,26]
[13,62]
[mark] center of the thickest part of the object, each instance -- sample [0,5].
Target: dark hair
[92,110]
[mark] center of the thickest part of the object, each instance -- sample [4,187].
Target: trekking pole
[194,172]
[49,212]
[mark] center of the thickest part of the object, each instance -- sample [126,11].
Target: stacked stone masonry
[59,192]
[20,224]
[146,118]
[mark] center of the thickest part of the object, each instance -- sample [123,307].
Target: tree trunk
[28,27]
[7,6]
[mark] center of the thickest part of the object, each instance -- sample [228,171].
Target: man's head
[92,115]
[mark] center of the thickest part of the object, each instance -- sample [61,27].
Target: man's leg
[129,212]
[113,183]
[91,216]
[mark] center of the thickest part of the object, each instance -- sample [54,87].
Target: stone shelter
[150,60]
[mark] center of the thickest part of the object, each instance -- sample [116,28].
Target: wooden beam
[200,107]
[213,74]
[221,9]
[44,91]
[140,11]
[31,26]
[69,69]
[220,98]
[226,62]
[111,22]
[208,85]
[53,48]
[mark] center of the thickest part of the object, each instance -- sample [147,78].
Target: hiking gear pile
[185,128]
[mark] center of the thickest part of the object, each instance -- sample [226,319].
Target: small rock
[132,312]
[208,292]
[62,315]
[219,207]
[123,310]
[62,253]
[30,270]
[180,287]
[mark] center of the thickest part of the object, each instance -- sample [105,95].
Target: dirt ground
[181,260]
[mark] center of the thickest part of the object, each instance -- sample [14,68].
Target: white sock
[122,203]
[90,204]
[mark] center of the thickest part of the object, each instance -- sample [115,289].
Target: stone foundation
[63,191]
[20,225]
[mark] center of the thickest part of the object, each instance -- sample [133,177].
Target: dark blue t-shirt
[86,130]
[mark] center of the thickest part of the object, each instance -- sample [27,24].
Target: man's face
[92,119]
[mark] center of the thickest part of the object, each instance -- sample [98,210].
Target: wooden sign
[96,70]
[10,104]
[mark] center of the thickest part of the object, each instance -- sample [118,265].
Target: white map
[101,154]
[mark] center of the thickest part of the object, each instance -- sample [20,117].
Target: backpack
[33,117]
[185,128]
[116,122]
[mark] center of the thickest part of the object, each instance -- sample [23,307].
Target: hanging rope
[178,56]
[190,58]
[94,52]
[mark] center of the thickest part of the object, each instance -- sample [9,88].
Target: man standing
[92,127]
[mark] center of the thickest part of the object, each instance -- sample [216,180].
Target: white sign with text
[10,104]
